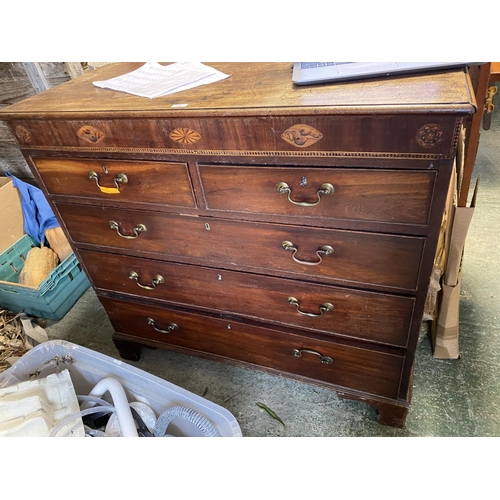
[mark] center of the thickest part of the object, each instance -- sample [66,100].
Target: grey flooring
[450,398]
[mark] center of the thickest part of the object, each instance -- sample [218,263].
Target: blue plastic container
[53,298]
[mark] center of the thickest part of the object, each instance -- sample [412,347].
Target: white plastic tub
[88,367]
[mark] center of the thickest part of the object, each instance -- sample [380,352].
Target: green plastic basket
[53,298]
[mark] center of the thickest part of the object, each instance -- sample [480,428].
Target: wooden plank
[473,134]
[15,86]
[74,69]
[495,72]
[36,76]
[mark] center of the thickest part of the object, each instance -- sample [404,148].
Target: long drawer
[360,369]
[335,256]
[308,306]
[388,196]
[343,135]
[118,181]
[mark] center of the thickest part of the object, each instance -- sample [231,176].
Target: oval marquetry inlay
[90,134]
[184,136]
[23,133]
[430,135]
[301,135]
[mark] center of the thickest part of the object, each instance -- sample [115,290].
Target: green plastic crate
[53,298]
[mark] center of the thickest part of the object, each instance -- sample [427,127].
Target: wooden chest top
[253,89]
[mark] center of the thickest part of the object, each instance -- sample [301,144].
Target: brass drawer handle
[325,250]
[170,327]
[323,308]
[324,359]
[119,179]
[156,281]
[139,228]
[326,189]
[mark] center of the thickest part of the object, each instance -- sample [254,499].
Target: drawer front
[389,136]
[118,182]
[308,306]
[387,196]
[347,366]
[323,254]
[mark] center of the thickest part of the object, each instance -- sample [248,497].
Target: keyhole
[303,181]
[105,169]
[207,226]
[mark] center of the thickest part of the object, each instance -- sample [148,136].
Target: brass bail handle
[138,229]
[325,189]
[120,178]
[326,307]
[154,283]
[324,359]
[170,327]
[324,250]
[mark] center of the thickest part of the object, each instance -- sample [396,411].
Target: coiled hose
[185,413]
[161,425]
[83,413]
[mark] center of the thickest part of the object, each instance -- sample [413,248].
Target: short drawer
[307,306]
[360,369]
[327,255]
[118,182]
[368,195]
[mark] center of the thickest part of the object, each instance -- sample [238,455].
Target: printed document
[155,80]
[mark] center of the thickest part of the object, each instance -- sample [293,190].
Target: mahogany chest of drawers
[286,229]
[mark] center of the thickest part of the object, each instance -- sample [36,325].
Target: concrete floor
[450,398]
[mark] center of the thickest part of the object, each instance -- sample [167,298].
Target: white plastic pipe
[120,402]
[80,414]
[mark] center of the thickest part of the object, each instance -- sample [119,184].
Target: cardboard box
[446,329]
[445,334]
[435,286]
[443,299]
[11,215]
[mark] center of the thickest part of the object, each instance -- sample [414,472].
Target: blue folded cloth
[37,214]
